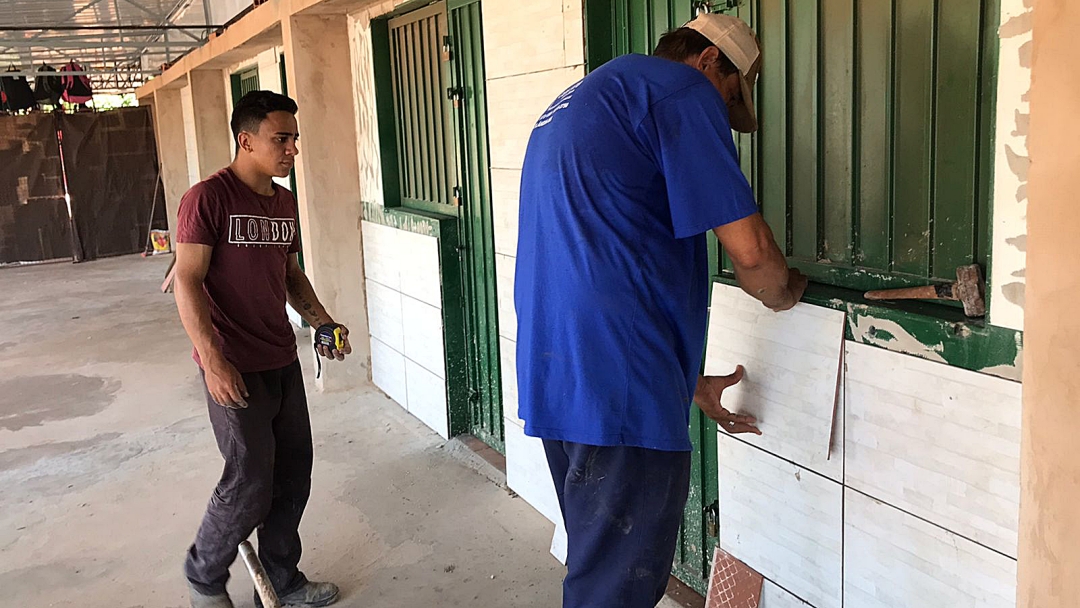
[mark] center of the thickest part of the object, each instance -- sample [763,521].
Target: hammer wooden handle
[923,292]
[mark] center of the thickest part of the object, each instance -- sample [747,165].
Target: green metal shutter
[244,82]
[873,163]
[618,27]
[426,156]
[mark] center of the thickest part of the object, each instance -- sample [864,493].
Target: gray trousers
[265,483]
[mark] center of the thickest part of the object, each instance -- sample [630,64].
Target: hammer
[968,290]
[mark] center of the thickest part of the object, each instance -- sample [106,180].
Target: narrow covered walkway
[107,460]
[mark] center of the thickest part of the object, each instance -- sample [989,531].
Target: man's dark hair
[683,43]
[252,109]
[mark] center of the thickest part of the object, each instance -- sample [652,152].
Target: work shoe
[311,594]
[201,600]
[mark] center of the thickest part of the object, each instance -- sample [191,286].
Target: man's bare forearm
[767,280]
[194,308]
[301,296]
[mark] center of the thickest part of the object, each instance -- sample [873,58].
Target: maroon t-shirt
[252,236]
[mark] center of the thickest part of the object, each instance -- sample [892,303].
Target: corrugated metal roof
[92,33]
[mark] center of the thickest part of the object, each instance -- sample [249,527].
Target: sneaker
[201,600]
[311,594]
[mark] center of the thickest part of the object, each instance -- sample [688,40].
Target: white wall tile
[384,315]
[381,262]
[514,104]
[937,441]
[775,597]
[505,192]
[388,371]
[522,37]
[423,333]
[504,278]
[574,27]
[427,398]
[527,472]
[420,273]
[895,560]
[784,521]
[508,370]
[792,362]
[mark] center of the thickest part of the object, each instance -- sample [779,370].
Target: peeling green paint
[922,329]
[409,220]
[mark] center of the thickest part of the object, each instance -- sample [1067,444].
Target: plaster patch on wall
[892,336]
[1011,166]
[367,126]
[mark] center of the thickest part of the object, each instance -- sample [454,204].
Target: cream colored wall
[190,142]
[1050,503]
[172,149]
[317,59]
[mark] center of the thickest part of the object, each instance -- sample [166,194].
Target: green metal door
[468,95]
[618,27]
[437,84]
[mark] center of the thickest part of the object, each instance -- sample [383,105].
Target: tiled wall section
[534,51]
[775,597]
[782,520]
[895,560]
[792,363]
[931,460]
[405,320]
[939,442]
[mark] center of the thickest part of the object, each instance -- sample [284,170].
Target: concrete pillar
[172,149]
[1049,557]
[211,113]
[317,61]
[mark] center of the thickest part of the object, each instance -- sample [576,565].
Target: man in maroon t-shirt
[236,266]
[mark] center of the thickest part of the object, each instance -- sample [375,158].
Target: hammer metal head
[970,290]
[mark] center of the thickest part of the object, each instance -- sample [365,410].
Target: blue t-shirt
[624,174]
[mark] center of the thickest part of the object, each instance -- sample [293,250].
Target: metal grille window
[424,129]
[873,162]
[244,82]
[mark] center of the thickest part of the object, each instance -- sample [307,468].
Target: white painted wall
[1011,163]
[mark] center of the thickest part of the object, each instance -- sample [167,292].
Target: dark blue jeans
[265,483]
[622,507]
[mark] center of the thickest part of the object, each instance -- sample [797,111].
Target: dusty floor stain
[34,400]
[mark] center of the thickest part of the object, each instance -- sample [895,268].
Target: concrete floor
[107,460]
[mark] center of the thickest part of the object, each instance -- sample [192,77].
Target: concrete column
[172,150]
[211,113]
[317,62]
[1049,557]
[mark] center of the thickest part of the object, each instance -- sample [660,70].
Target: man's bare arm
[301,296]
[760,267]
[225,384]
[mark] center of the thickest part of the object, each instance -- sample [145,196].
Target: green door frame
[469,90]
[618,27]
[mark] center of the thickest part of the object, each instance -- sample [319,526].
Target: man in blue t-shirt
[624,174]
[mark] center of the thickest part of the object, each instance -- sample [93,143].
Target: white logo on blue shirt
[561,102]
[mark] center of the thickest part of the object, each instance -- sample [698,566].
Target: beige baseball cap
[737,41]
